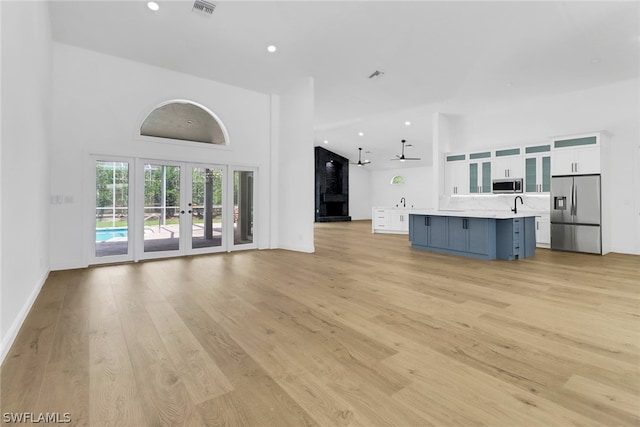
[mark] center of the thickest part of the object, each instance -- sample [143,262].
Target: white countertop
[473,214]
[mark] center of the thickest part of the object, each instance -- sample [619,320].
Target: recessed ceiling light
[153,6]
[271,48]
[360,134]
[189,122]
[407,123]
[326,142]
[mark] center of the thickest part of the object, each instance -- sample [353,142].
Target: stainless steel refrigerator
[576,213]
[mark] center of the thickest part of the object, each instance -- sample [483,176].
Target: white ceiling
[452,56]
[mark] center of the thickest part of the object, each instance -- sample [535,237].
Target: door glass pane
[546,174]
[242,207]
[530,175]
[486,177]
[161,208]
[206,215]
[473,178]
[112,208]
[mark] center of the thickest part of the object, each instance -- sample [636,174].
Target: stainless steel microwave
[509,185]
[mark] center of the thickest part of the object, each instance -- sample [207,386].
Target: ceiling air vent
[202,7]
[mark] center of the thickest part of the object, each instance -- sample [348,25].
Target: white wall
[417,189]
[99,103]
[613,108]
[359,192]
[26,110]
[296,169]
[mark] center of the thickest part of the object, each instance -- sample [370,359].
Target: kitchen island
[484,235]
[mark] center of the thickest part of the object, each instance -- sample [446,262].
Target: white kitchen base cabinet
[543,231]
[390,220]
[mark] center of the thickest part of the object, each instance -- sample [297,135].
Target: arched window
[397,180]
[186,121]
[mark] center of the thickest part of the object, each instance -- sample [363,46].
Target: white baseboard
[67,265]
[307,249]
[12,332]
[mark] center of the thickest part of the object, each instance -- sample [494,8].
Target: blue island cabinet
[483,238]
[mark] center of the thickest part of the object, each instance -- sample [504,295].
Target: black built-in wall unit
[332,186]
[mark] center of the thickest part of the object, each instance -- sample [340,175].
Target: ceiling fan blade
[412,158]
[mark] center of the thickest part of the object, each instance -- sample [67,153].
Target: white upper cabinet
[580,155]
[507,163]
[537,169]
[456,175]
[480,172]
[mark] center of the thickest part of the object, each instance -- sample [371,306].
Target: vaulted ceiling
[451,56]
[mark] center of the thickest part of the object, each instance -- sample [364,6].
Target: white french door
[206,192]
[182,209]
[160,210]
[112,219]
[147,208]
[242,229]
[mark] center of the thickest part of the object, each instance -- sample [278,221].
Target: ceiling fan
[360,162]
[402,158]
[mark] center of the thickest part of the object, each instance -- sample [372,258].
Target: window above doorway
[186,121]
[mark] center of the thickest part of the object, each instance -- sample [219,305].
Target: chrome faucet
[515,204]
[404,202]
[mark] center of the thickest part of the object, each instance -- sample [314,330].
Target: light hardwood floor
[364,332]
